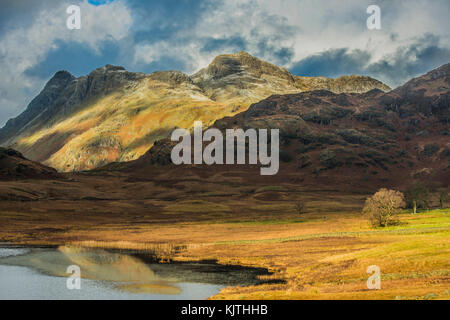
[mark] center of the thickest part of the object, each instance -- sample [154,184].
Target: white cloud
[24,48]
[305,27]
[301,27]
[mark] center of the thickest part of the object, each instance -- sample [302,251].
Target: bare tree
[382,206]
[417,196]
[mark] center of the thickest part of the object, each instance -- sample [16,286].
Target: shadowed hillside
[352,140]
[14,166]
[114,115]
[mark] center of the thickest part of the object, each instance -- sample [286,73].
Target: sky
[308,37]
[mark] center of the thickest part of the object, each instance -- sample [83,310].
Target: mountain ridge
[373,139]
[115,115]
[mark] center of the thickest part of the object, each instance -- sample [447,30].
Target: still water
[41,274]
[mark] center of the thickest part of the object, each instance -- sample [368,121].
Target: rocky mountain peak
[112,114]
[238,64]
[106,79]
[110,67]
[59,80]
[62,75]
[173,77]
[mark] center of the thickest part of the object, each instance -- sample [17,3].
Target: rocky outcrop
[348,84]
[114,115]
[371,139]
[242,74]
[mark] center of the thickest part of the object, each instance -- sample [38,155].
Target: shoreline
[208,272]
[314,259]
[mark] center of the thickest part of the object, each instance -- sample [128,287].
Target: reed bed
[161,250]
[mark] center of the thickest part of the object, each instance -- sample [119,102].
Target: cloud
[100,2]
[332,63]
[328,35]
[307,37]
[219,27]
[222,44]
[421,56]
[56,59]
[24,48]
[425,54]
[21,13]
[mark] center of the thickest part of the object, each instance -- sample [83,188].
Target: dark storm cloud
[163,18]
[407,62]
[56,60]
[332,63]
[236,42]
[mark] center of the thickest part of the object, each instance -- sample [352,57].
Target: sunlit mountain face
[113,115]
[238,149]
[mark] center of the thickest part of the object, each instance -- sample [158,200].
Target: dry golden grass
[322,254]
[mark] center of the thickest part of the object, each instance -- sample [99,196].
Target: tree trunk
[415,206]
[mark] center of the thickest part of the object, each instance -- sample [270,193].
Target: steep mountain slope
[115,115]
[371,139]
[13,165]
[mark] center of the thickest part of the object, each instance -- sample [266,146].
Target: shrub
[355,137]
[328,159]
[326,114]
[376,157]
[417,195]
[430,149]
[382,206]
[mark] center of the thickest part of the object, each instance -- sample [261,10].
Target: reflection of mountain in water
[131,273]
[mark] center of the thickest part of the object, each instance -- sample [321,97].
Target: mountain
[370,139]
[114,115]
[13,165]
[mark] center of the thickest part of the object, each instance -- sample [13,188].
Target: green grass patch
[341,235]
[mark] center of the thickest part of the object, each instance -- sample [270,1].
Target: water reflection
[106,275]
[40,273]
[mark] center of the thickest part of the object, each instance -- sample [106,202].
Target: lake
[41,273]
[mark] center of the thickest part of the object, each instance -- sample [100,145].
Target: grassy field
[327,259]
[321,254]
